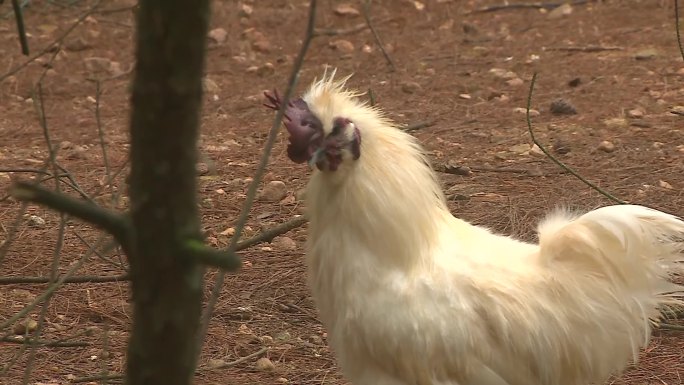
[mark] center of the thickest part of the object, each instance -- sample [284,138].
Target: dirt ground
[615,62]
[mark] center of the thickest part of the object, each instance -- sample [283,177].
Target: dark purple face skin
[308,142]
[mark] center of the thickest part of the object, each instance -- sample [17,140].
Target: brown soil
[448,54]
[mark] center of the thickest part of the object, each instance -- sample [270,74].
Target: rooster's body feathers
[411,295]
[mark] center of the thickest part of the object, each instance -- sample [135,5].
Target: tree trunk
[166,103]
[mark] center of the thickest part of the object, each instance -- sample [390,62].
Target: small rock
[658,145]
[452,167]
[562,11]
[229,231]
[245,10]
[77,45]
[503,74]
[646,54]
[523,110]
[301,194]
[636,113]
[101,64]
[346,10]
[616,122]
[677,110]
[218,35]
[274,191]
[520,149]
[264,364]
[575,82]
[465,96]
[282,380]
[316,339]
[344,46]
[202,168]
[515,82]
[561,147]
[665,185]
[66,145]
[606,146]
[36,221]
[215,363]
[27,326]
[285,243]
[562,107]
[210,85]
[261,45]
[410,87]
[267,340]
[536,151]
[267,69]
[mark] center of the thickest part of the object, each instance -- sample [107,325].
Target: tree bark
[166,102]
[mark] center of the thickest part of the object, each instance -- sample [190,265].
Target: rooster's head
[321,132]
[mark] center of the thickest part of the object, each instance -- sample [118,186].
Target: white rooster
[411,295]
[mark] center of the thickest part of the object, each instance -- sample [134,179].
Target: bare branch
[679,34]
[56,43]
[21,29]
[376,36]
[251,192]
[116,224]
[553,158]
[268,235]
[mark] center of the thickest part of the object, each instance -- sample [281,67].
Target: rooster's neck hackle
[389,199]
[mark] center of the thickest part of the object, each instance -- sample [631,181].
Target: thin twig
[589,48]
[376,36]
[666,326]
[553,158]
[100,377]
[55,43]
[418,125]
[241,359]
[251,193]
[346,31]
[39,103]
[679,35]
[547,6]
[50,289]
[103,146]
[269,234]
[21,29]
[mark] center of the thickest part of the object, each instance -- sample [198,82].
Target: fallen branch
[343,31]
[79,279]
[666,326]
[45,343]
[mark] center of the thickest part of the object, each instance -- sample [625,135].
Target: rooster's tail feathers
[633,246]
